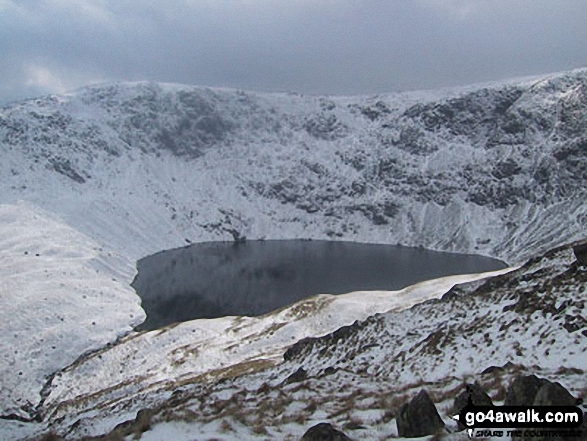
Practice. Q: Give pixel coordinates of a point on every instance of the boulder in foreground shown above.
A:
(419, 417)
(324, 432)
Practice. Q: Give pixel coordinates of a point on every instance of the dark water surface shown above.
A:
(216, 279)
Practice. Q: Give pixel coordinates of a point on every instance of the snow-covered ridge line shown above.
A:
(144, 167)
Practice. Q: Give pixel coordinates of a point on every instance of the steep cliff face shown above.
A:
(496, 169)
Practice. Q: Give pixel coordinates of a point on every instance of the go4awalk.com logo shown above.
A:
(528, 421)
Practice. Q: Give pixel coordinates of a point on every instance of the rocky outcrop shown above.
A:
(297, 376)
(473, 394)
(523, 390)
(324, 432)
(553, 394)
(419, 417)
(529, 390)
(580, 251)
(533, 391)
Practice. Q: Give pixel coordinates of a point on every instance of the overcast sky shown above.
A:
(308, 46)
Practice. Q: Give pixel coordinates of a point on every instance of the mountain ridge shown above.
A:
(370, 169)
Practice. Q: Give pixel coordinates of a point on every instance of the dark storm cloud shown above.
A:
(311, 46)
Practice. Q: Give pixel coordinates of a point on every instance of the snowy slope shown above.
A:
(114, 172)
(62, 294)
(530, 321)
(150, 365)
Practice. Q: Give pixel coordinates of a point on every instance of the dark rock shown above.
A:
(553, 394)
(492, 369)
(297, 376)
(419, 417)
(304, 346)
(330, 370)
(530, 390)
(141, 424)
(64, 166)
(574, 322)
(523, 390)
(581, 253)
(324, 432)
(236, 235)
(473, 394)
(143, 420)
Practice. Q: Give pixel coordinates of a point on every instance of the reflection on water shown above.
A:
(216, 279)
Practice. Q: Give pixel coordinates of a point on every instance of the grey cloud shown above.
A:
(328, 46)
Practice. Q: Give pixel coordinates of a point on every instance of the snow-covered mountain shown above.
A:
(95, 179)
(145, 166)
